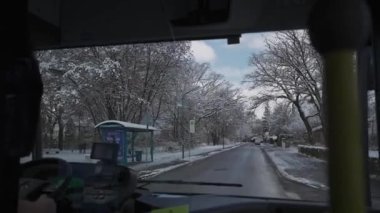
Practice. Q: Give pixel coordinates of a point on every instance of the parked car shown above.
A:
(51, 151)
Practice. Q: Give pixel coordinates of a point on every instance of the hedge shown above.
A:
(313, 151)
(374, 167)
(321, 153)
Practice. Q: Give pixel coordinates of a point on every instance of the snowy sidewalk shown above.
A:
(165, 161)
(67, 155)
(298, 167)
(310, 171)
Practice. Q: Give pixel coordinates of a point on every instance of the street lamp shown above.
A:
(180, 118)
(180, 133)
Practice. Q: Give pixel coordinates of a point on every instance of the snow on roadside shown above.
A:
(67, 155)
(198, 155)
(167, 157)
(283, 166)
(146, 174)
(159, 157)
(172, 159)
(373, 154)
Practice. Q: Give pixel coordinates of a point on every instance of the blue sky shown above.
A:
(230, 60)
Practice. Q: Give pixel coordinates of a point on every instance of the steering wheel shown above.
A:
(49, 176)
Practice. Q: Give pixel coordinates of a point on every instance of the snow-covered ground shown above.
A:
(311, 171)
(163, 161)
(301, 168)
(67, 155)
(165, 157)
(298, 167)
(373, 154)
(173, 160)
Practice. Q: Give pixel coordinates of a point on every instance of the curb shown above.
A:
(176, 166)
(286, 175)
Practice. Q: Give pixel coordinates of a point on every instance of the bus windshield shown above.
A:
(198, 111)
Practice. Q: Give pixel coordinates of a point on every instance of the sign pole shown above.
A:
(190, 143)
(192, 131)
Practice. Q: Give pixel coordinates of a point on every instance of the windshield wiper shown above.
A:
(189, 183)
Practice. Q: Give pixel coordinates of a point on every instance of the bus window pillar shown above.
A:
(338, 29)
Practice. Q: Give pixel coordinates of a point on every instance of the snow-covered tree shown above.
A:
(266, 120)
(159, 82)
(289, 70)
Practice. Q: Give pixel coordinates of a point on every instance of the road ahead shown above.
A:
(246, 165)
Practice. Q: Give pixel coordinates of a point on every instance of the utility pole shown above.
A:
(223, 135)
(181, 118)
(191, 131)
(178, 130)
(190, 143)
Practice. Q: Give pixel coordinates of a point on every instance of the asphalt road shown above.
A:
(245, 165)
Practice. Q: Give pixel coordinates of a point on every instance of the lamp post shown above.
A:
(180, 132)
(180, 118)
(148, 120)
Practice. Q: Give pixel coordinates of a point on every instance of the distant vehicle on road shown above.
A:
(256, 140)
(51, 151)
(247, 139)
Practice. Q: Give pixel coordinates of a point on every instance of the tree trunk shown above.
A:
(60, 129)
(305, 122)
(215, 138)
(110, 113)
(158, 110)
(51, 136)
(79, 132)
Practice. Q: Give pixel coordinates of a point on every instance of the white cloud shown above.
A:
(255, 41)
(202, 52)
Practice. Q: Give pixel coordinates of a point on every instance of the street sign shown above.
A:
(192, 126)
